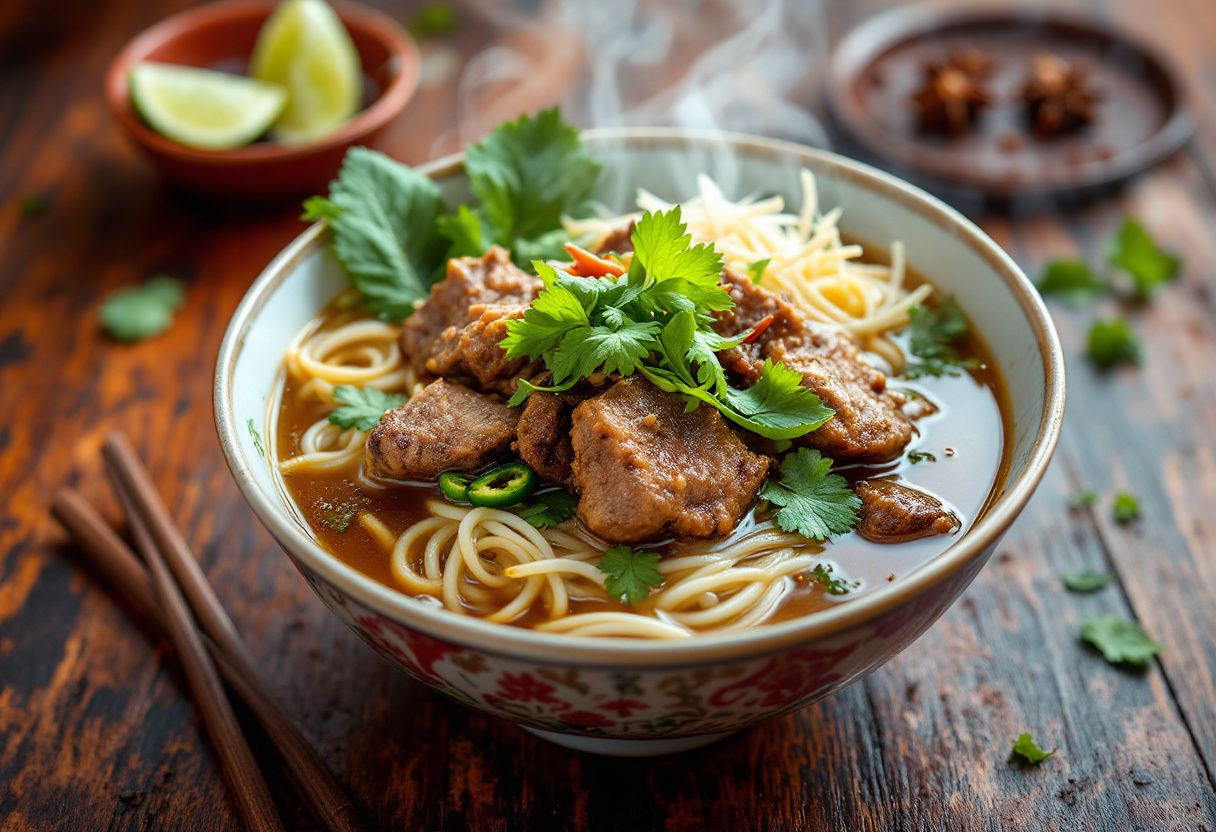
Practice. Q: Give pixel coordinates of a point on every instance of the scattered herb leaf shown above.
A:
(1071, 280)
(631, 574)
(1112, 342)
(921, 456)
(931, 334)
(812, 502)
(434, 20)
(1136, 252)
(1119, 640)
(549, 509)
(1087, 580)
(31, 205)
(1083, 499)
(830, 583)
(1026, 748)
(362, 407)
(1126, 508)
(257, 440)
(756, 270)
(133, 313)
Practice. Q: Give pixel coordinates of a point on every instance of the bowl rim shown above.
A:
(551, 648)
(388, 105)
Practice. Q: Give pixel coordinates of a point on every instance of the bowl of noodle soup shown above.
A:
(510, 618)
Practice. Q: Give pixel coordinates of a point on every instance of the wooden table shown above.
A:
(97, 732)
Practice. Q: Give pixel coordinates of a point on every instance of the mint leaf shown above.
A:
(383, 216)
(1119, 640)
(1024, 746)
(812, 502)
(1135, 252)
(527, 173)
(1072, 280)
(630, 574)
(133, 313)
(362, 407)
(1112, 342)
(1087, 580)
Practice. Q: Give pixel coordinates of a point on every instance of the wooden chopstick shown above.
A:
(240, 768)
(122, 569)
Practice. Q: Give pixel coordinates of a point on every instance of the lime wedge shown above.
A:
(305, 48)
(202, 108)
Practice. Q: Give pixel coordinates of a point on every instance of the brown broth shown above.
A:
(967, 436)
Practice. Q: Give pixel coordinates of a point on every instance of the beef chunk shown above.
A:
(894, 513)
(869, 425)
(473, 351)
(543, 436)
(460, 299)
(445, 427)
(646, 469)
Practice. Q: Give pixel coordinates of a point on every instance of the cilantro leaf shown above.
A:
(931, 333)
(1135, 252)
(663, 247)
(384, 215)
(630, 574)
(1087, 580)
(1026, 748)
(1112, 342)
(831, 584)
(556, 311)
(362, 407)
(778, 405)
(528, 173)
(133, 313)
(1126, 508)
(812, 502)
(921, 456)
(1072, 280)
(1083, 499)
(1119, 640)
(549, 509)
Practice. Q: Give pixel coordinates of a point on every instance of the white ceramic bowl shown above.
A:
(633, 697)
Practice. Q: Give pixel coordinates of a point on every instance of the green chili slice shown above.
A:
(455, 486)
(506, 485)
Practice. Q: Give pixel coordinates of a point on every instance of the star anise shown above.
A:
(1059, 98)
(953, 92)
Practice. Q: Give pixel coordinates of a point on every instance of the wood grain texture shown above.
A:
(97, 732)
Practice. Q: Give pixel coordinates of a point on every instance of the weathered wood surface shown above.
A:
(96, 730)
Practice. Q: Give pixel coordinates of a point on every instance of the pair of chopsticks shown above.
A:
(170, 588)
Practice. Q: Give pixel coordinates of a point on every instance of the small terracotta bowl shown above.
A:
(221, 36)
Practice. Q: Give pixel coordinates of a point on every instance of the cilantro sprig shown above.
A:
(1112, 342)
(134, 313)
(550, 509)
(811, 501)
(656, 320)
(362, 407)
(932, 333)
(1119, 640)
(630, 574)
(1134, 252)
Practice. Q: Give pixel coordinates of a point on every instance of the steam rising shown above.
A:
(748, 66)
